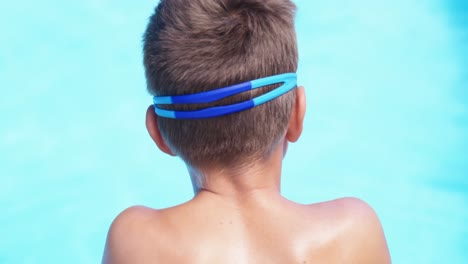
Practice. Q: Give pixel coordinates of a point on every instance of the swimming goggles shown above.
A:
(289, 81)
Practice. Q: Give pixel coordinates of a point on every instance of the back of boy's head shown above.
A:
(199, 45)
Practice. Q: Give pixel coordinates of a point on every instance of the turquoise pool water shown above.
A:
(387, 87)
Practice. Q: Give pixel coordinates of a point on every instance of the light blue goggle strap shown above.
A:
(289, 81)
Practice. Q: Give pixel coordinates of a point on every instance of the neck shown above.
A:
(262, 178)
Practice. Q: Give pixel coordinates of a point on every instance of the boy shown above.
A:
(233, 137)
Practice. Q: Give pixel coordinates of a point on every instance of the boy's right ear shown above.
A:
(297, 116)
(155, 133)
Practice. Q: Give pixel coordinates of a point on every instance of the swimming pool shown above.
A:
(387, 121)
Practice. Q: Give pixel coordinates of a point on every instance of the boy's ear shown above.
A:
(155, 133)
(297, 116)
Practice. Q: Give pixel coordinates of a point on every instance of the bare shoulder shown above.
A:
(128, 233)
(359, 235)
(363, 234)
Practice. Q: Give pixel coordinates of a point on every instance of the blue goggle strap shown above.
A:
(289, 81)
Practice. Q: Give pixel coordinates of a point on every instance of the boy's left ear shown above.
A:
(155, 133)
(297, 116)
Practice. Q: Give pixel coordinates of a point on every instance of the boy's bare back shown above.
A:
(266, 229)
